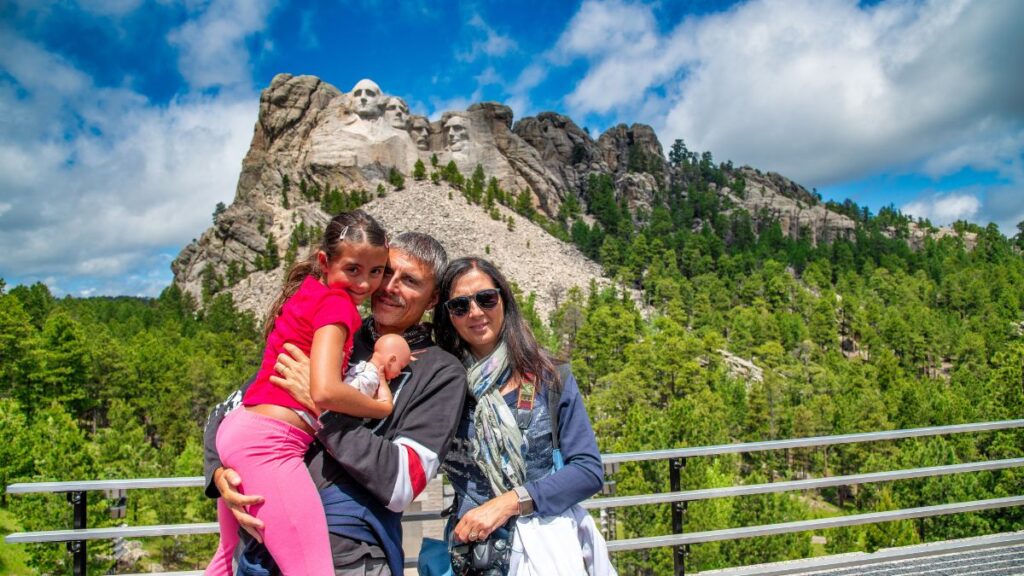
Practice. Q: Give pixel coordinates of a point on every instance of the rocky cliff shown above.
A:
(315, 148)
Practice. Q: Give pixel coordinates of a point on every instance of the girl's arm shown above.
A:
(325, 384)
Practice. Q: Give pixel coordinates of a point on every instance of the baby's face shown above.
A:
(392, 354)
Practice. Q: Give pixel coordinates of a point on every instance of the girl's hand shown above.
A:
(478, 523)
(292, 376)
(383, 394)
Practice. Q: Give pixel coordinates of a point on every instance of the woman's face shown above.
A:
(479, 329)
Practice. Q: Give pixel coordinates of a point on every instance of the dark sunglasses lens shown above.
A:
(458, 306)
(487, 299)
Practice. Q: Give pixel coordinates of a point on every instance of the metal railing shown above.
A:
(77, 537)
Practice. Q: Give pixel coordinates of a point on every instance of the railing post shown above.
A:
(675, 467)
(608, 514)
(77, 547)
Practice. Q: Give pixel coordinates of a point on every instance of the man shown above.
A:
(368, 474)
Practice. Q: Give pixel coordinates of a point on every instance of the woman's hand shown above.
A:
(227, 482)
(292, 376)
(478, 523)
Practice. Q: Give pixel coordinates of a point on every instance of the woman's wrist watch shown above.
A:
(525, 501)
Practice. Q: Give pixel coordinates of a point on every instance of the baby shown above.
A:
(390, 355)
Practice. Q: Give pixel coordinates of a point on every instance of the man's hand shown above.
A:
(292, 376)
(227, 481)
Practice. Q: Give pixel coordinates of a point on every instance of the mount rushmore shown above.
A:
(307, 131)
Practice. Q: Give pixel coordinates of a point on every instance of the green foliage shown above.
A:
(450, 174)
(524, 204)
(113, 388)
(270, 259)
(419, 171)
(218, 210)
(396, 179)
(336, 200)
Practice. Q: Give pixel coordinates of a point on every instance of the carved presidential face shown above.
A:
(456, 134)
(366, 99)
(419, 129)
(397, 113)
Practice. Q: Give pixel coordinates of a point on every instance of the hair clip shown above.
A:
(341, 236)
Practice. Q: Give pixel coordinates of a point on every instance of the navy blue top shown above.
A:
(552, 492)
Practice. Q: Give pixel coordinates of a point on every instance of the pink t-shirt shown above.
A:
(311, 307)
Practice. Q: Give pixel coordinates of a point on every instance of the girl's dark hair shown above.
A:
(525, 356)
(353, 227)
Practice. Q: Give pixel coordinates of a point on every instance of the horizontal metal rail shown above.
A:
(808, 484)
(810, 442)
(851, 559)
(85, 485)
(716, 450)
(807, 525)
(112, 532)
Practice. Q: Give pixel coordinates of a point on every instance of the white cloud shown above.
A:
(491, 43)
(945, 208)
(821, 91)
(100, 186)
(212, 46)
(607, 28)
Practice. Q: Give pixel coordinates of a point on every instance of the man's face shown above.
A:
(405, 294)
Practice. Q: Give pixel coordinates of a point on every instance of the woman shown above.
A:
(501, 463)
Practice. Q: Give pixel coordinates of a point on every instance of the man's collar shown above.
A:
(418, 335)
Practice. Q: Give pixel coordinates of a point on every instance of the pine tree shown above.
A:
(271, 258)
(218, 210)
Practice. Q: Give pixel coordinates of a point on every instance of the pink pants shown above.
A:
(268, 455)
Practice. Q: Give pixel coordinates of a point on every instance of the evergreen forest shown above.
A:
(856, 335)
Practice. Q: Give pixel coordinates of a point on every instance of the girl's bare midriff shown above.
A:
(283, 414)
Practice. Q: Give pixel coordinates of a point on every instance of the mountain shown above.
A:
(317, 150)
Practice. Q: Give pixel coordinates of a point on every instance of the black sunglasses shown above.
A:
(485, 299)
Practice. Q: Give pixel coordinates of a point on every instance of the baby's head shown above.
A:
(391, 353)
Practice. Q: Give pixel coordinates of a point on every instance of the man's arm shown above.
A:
(396, 469)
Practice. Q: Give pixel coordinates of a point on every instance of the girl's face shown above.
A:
(479, 328)
(357, 268)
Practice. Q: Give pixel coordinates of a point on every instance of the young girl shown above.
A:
(266, 440)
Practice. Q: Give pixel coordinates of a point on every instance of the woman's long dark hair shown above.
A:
(353, 227)
(525, 356)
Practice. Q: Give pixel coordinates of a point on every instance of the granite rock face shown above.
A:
(311, 134)
(565, 150)
(768, 196)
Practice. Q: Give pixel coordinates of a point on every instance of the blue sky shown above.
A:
(123, 122)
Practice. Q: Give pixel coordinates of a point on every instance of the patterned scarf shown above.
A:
(497, 446)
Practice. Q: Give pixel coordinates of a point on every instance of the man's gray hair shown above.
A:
(424, 248)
